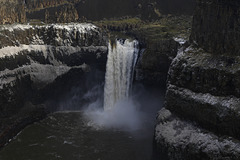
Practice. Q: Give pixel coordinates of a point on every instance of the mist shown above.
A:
(135, 113)
(125, 115)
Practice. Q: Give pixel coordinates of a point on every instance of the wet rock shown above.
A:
(161, 42)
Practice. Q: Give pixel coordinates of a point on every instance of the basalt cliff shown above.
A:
(200, 118)
(42, 66)
(64, 11)
(40, 62)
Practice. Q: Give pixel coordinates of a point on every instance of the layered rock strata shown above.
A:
(63, 11)
(200, 119)
(39, 63)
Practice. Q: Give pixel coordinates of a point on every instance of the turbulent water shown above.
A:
(122, 57)
(67, 136)
(125, 126)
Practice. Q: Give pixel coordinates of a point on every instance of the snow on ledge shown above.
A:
(172, 132)
(46, 50)
(15, 50)
(39, 73)
(81, 27)
(180, 40)
(228, 102)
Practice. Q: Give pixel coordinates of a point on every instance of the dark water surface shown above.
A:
(67, 136)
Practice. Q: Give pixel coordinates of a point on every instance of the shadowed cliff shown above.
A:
(62, 11)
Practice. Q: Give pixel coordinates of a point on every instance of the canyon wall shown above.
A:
(160, 46)
(64, 11)
(216, 26)
(42, 66)
(12, 11)
(200, 119)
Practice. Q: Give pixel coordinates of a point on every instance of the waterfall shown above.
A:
(122, 57)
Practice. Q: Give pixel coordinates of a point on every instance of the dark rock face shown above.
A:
(154, 62)
(64, 13)
(37, 4)
(43, 63)
(216, 26)
(97, 10)
(161, 42)
(11, 126)
(203, 89)
(61, 11)
(176, 7)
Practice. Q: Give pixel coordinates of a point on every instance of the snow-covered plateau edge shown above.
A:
(81, 27)
(45, 49)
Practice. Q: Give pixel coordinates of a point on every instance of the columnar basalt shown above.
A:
(216, 26)
(39, 63)
(201, 115)
(64, 11)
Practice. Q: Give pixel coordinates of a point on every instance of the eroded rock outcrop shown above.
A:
(201, 115)
(63, 11)
(161, 42)
(59, 13)
(12, 11)
(42, 63)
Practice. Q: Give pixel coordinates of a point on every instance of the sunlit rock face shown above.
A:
(63, 11)
(12, 11)
(203, 89)
(38, 63)
(48, 11)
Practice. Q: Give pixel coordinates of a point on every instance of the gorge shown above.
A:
(91, 89)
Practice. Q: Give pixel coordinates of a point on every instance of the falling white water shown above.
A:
(122, 57)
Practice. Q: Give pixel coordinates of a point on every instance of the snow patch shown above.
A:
(180, 134)
(81, 27)
(15, 50)
(39, 73)
(180, 40)
(47, 50)
(229, 102)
